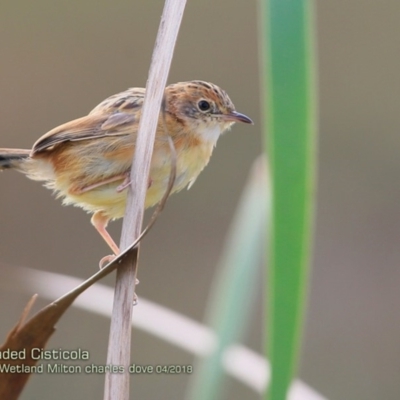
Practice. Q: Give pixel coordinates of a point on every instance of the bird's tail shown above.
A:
(12, 158)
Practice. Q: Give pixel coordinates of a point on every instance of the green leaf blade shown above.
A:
(289, 72)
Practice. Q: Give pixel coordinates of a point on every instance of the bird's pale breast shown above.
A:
(191, 159)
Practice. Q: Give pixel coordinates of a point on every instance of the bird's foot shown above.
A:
(106, 260)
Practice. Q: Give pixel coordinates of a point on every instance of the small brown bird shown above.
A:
(87, 161)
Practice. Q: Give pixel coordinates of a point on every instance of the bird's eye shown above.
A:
(204, 105)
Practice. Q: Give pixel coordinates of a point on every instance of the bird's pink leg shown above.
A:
(100, 221)
(101, 183)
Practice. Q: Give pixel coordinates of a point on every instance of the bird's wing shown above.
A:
(130, 100)
(116, 116)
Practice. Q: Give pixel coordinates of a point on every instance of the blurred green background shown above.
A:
(59, 59)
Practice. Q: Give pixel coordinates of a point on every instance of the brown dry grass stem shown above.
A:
(117, 385)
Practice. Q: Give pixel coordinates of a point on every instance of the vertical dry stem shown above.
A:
(117, 385)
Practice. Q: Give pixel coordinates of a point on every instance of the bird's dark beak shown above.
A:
(235, 116)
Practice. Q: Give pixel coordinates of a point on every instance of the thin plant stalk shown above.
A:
(117, 385)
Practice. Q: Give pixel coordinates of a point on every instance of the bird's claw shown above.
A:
(106, 260)
(127, 181)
